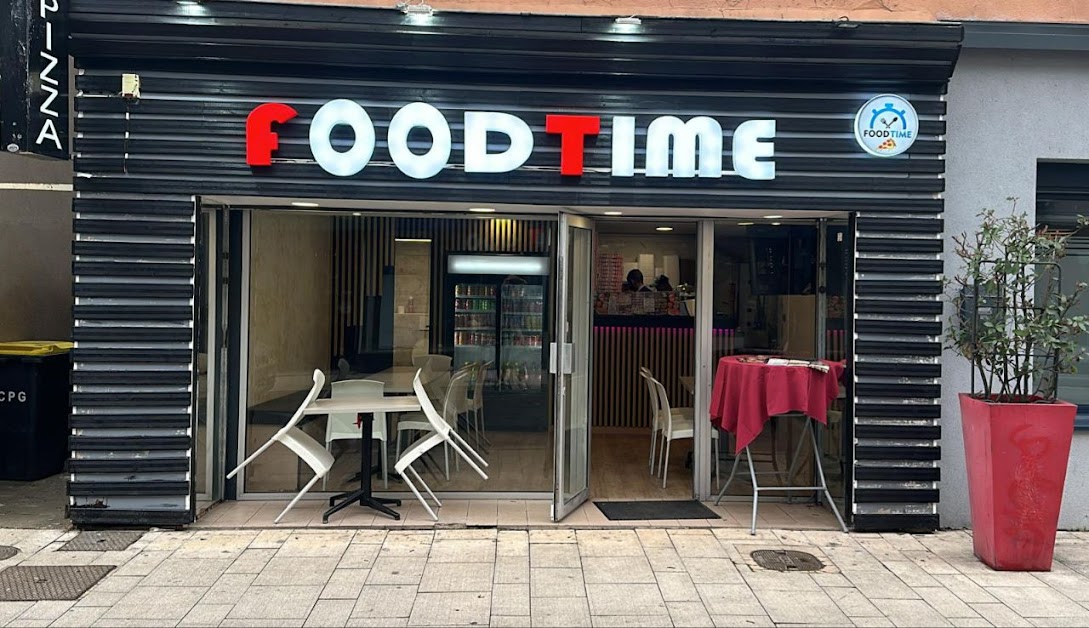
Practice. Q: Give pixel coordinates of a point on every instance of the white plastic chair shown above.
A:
(344, 426)
(675, 426)
(298, 441)
(441, 432)
(657, 421)
(452, 404)
(476, 403)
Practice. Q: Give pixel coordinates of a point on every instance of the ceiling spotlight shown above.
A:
(416, 10)
(772, 217)
(188, 3)
(482, 210)
(744, 224)
(776, 224)
(631, 20)
(614, 213)
(663, 228)
(357, 213)
(303, 204)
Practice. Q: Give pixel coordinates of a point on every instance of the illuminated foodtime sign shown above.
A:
(697, 143)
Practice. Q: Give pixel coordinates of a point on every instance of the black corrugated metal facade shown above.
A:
(203, 68)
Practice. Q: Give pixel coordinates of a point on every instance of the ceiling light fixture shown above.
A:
(631, 20)
(772, 217)
(188, 3)
(482, 210)
(416, 10)
(357, 213)
(663, 228)
(614, 213)
(304, 204)
(745, 224)
(427, 240)
(776, 224)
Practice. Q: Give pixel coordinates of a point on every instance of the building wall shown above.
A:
(1071, 11)
(290, 302)
(1005, 114)
(35, 251)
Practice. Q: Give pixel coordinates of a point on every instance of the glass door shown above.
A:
(570, 364)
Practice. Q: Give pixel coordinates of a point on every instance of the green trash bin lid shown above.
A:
(35, 347)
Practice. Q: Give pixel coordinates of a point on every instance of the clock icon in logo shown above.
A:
(886, 125)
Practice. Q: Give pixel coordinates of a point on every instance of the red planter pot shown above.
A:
(1017, 455)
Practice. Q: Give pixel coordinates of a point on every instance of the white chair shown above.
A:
(345, 426)
(657, 421)
(441, 432)
(676, 426)
(476, 403)
(298, 441)
(451, 406)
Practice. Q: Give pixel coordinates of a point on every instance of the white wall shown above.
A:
(1006, 112)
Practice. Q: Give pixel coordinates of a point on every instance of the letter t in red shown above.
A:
(260, 140)
(573, 131)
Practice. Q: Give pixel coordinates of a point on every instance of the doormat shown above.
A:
(648, 510)
(102, 541)
(30, 584)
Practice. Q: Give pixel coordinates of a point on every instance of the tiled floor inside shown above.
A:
(504, 513)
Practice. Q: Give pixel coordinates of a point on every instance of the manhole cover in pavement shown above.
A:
(787, 560)
(102, 541)
(30, 584)
(7, 551)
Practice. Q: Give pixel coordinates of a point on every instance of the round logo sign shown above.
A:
(886, 126)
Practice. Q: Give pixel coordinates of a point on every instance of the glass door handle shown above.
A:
(553, 352)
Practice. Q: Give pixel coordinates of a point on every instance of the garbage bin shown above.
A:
(34, 386)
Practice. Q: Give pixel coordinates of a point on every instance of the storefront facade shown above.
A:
(238, 102)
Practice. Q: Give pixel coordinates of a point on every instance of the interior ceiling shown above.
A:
(671, 213)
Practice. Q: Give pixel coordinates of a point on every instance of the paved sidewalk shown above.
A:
(555, 577)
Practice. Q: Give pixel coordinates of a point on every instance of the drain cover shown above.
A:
(102, 541)
(30, 584)
(787, 560)
(7, 551)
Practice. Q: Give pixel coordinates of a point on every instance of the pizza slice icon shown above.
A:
(888, 144)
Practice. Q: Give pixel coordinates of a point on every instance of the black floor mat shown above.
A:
(649, 509)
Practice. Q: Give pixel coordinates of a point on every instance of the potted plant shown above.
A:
(1014, 322)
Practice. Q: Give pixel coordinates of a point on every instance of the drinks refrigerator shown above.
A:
(497, 312)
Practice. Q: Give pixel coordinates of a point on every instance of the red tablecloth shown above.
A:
(746, 395)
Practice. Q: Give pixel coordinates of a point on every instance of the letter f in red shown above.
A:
(260, 139)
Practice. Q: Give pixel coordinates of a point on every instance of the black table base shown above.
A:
(363, 496)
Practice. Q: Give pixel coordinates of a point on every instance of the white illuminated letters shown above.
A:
(432, 162)
(331, 115)
(674, 147)
(747, 147)
(49, 84)
(477, 126)
(706, 130)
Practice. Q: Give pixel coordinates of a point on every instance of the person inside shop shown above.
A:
(634, 282)
(661, 284)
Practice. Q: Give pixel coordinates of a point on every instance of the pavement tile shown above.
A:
(378, 622)
(966, 589)
(467, 534)
(945, 602)
(910, 612)
(730, 599)
(796, 607)
(270, 539)
(664, 559)
(625, 599)
(276, 602)
(609, 543)
(134, 623)
(654, 537)
(1039, 602)
(739, 621)
(510, 600)
(624, 621)
(46, 610)
(697, 543)
(553, 555)
(359, 556)
(143, 563)
(987, 578)
(100, 598)
(930, 563)
(407, 543)
(451, 609)
(512, 543)
(369, 537)
(397, 570)
(911, 574)
(174, 572)
(261, 623)
(872, 621)
(54, 558)
(979, 622)
(155, 603)
(385, 601)
(463, 551)
(320, 545)
(251, 561)
(218, 544)
(687, 614)
(826, 580)
(556, 583)
(677, 587)
(560, 612)
(204, 614)
(296, 570)
(344, 584)
(612, 570)
(881, 584)
(712, 570)
(512, 570)
(228, 589)
(1000, 615)
(452, 577)
(330, 613)
(551, 536)
(117, 584)
(510, 621)
(779, 581)
(80, 616)
(1068, 582)
(852, 603)
(29, 623)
